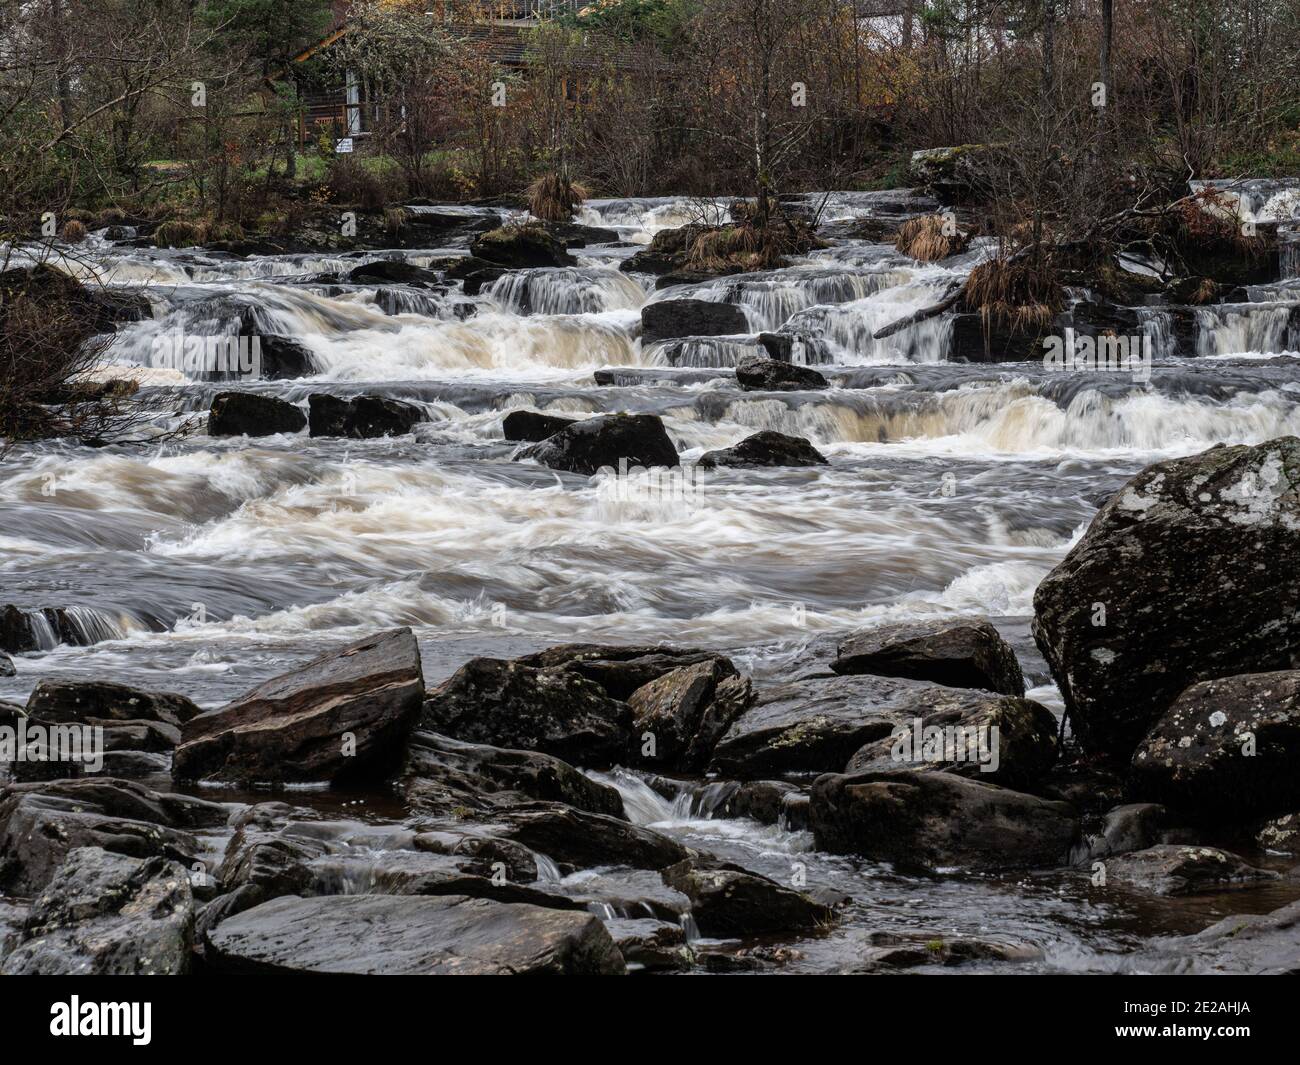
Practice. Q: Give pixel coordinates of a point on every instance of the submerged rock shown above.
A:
(668, 319)
(1258, 944)
(765, 448)
(1186, 574)
(344, 716)
(403, 935)
(958, 653)
(104, 914)
(577, 840)
(1172, 870)
(531, 427)
(1227, 749)
(361, 417)
(553, 711)
(603, 442)
(754, 373)
(442, 773)
(250, 414)
(936, 821)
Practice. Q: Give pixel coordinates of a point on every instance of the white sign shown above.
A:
(344, 146)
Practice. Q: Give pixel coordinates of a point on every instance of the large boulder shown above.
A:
(361, 417)
(442, 774)
(342, 717)
(105, 914)
(1187, 574)
(728, 901)
(554, 711)
(1168, 869)
(638, 440)
(932, 821)
(754, 373)
(667, 319)
(817, 725)
(392, 272)
(765, 448)
(531, 427)
(250, 414)
(1227, 749)
(687, 711)
(517, 247)
(410, 936)
(957, 652)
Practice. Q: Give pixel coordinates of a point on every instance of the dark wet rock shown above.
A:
(475, 274)
(933, 821)
(914, 950)
(1281, 834)
(41, 822)
(957, 736)
(283, 358)
(1227, 749)
(576, 840)
(361, 417)
(687, 711)
(668, 319)
(1132, 827)
(650, 945)
(638, 440)
(728, 901)
(1255, 944)
(103, 702)
(105, 914)
(1090, 787)
(137, 765)
(956, 652)
(1173, 870)
(765, 448)
(575, 235)
(342, 717)
(13, 916)
(391, 272)
(442, 773)
(769, 802)
(531, 427)
(517, 247)
(817, 724)
(6, 666)
(251, 414)
(667, 252)
(553, 711)
(954, 174)
(1190, 566)
(617, 668)
(410, 935)
(757, 374)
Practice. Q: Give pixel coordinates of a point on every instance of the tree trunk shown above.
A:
(1049, 46)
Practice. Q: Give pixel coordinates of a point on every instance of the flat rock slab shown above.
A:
(410, 936)
(957, 652)
(1248, 944)
(1167, 869)
(342, 717)
(939, 821)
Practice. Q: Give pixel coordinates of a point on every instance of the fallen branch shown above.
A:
(954, 293)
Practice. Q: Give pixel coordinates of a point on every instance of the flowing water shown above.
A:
(205, 565)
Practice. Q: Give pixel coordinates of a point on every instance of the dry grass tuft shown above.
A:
(554, 198)
(1020, 295)
(928, 238)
